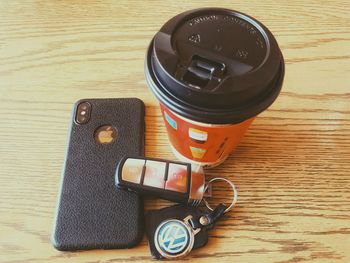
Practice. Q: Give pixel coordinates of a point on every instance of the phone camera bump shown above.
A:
(83, 113)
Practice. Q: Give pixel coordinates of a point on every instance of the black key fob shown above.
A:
(171, 227)
(175, 181)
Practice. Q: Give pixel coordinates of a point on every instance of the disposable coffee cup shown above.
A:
(213, 71)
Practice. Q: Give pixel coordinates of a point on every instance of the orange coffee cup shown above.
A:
(213, 71)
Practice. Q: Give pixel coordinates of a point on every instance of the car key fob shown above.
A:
(175, 181)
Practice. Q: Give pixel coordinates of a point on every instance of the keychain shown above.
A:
(174, 231)
(175, 181)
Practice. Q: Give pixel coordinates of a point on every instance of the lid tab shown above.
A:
(202, 73)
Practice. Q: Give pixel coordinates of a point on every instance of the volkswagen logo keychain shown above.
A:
(175, 238)
(173, 231)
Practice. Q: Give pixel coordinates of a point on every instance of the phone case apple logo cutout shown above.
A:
(105, 134)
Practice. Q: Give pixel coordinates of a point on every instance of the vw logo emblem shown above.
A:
(173, 238)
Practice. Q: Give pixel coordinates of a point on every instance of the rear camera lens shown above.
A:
(83, 113)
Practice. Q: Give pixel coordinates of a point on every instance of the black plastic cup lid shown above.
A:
(215, 66)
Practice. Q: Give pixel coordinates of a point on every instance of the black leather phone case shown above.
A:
(92, 212)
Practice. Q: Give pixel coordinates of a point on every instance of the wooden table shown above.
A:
(292, 168)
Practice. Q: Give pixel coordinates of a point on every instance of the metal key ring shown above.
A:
(235, 196)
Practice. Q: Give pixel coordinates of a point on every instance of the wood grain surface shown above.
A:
(292, 169)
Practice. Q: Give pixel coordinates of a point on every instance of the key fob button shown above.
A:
(177, 178)
(132, 170)
(154, 174)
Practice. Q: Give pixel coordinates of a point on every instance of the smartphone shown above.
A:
(91, 212)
